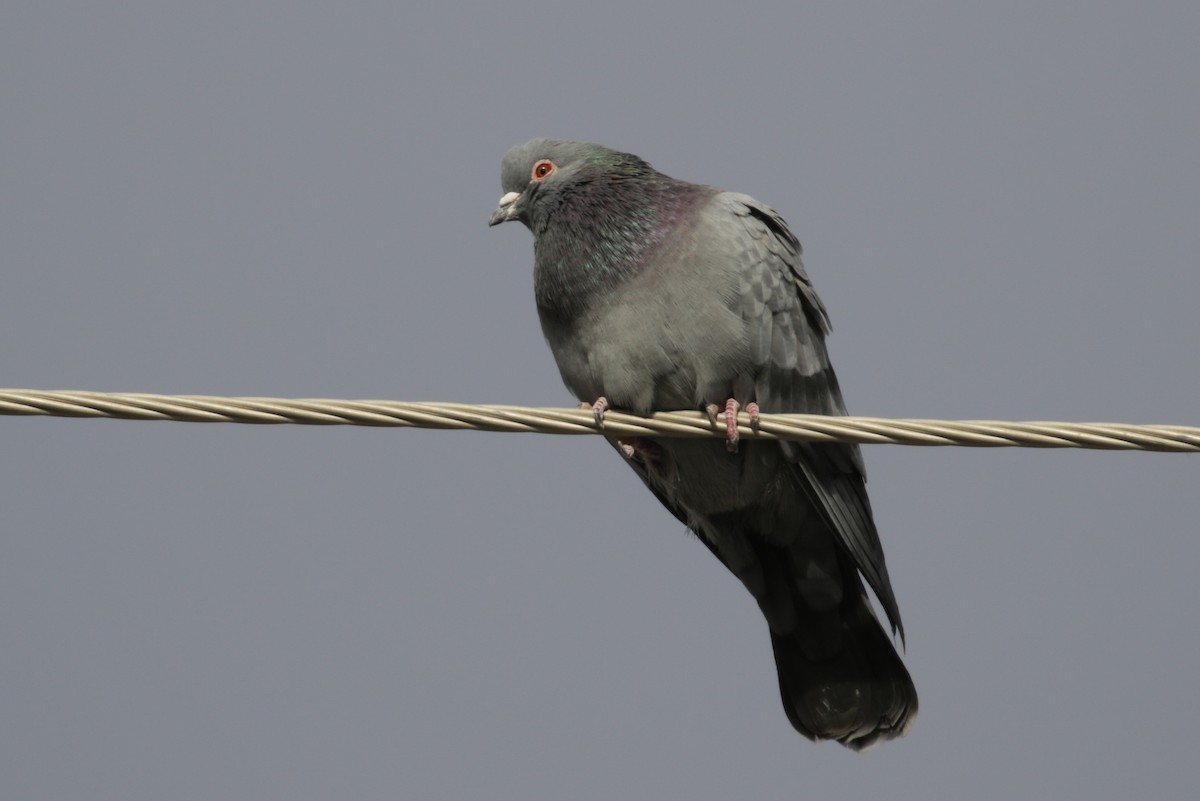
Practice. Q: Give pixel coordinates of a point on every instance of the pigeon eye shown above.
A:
(543, 169)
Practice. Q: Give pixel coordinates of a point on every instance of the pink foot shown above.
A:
(731, 432)
(598, 409)
(635, 446)
(730, 419)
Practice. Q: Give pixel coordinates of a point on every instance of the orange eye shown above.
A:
(543, 169)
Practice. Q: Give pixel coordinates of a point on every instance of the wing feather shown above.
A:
(794, 375)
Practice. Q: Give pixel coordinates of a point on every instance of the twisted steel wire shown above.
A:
(816, 428)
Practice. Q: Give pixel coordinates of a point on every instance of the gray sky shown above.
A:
(1000, 206)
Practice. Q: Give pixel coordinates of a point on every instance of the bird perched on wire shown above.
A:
(656, 294)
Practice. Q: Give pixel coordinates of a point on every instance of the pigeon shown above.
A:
(656, 294)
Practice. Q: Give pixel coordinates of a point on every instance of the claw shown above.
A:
(729, 417)
(598, 409)
(712, 410)
(752, 410)
(630, 447)
(639, 446)
(731, 431)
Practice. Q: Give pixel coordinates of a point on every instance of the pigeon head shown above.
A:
(597, 216)
(542, 174)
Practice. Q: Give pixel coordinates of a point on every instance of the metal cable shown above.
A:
(816, 428)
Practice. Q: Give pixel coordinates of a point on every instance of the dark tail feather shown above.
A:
(859, 694)
(840, 677)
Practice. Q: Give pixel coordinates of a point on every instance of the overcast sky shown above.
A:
(999, 203)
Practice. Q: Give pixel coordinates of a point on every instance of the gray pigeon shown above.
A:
(656, 294)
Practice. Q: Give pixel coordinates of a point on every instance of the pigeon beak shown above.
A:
(507, 210)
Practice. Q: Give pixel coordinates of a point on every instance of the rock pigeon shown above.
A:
(656, 294)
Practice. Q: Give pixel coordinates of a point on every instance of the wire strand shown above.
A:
(524, 419)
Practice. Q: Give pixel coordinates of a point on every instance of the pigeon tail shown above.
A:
(860, 695)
